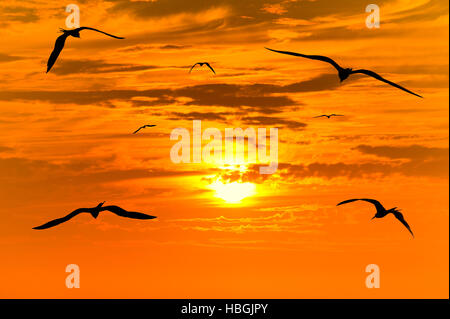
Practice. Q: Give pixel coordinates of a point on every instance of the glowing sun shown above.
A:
(233, 192)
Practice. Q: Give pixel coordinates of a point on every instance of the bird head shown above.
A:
(76, 34)
(344, 74)
(96, 211)
(95, 214)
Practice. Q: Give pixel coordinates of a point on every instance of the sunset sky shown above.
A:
(223, 229)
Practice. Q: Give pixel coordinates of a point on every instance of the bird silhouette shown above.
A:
(95, 211)
(61, 41)
(344, 73)
(329, 116)
(381, 211)
(142, 127)
(202, 64)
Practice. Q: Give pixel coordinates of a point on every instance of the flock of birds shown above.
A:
(343, 74)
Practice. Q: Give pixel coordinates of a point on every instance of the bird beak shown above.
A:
(373, 217)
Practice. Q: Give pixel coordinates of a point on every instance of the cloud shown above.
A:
(257, 10)
(412, 152)
(419, 161)
(144, 47)
(257, 96)
(4, 149)
(9, 58)
(80, 171)
(191, 116)
(18, 14)
(173, 47)
(30, 179)
(435, 168)
(66, 67)
(273, 121)
(282, 221)
(421, 12)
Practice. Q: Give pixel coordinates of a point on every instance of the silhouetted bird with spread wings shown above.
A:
(381, 211)
(344, 73)
(95, 211)
(61, 41)
(325, 115)
(202, 64)
(142, 127)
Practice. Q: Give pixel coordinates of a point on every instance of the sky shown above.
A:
(223, 229)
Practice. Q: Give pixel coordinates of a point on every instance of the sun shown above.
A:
(234, 192)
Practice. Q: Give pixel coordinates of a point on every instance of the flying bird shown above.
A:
(344, 73)
(202, 64)
(329, 116)
(142, 127)
(95, 211)
(61, 41)
(381, 211)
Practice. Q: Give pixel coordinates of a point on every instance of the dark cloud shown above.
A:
(247, 17)
(247, 8)
(173, 47)
(260, 97)
(9, 58)
(4, 149)
(163, 100)
(422, 162)
(17, 14)
(273, 121)
(30, 179)
(247, 120)
(412, 152)
(254, 12)
(358, 170)
(433, 168)
(356, 137)
(191, 116)
(65, 67)
(142, 47)
(80, 171)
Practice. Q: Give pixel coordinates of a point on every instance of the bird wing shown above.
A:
(138, 130)
(92, 29)
(316, 117)
(58, 221)
(337, 115)
(193, 67)
(124, 213)
(373, 201)
(380, 78)
(312, 57)
(59, 46)
(400, 217)
(209, 66)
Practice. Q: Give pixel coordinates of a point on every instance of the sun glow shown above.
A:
(233, 193)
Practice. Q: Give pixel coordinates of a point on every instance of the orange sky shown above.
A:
(67, 142)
